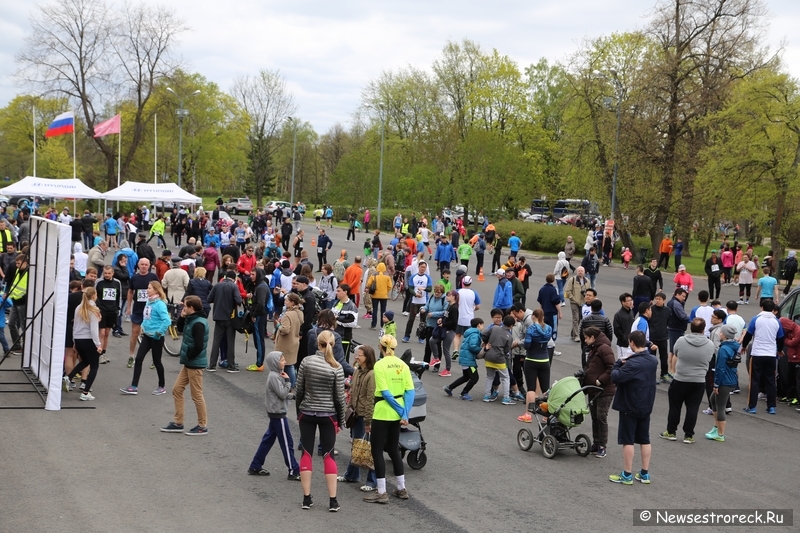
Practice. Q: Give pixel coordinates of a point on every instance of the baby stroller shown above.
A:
(563, 407)
(411, 441)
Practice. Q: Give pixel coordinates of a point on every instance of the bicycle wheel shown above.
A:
(395, 292)
(173, 341)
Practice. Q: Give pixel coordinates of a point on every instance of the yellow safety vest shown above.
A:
(5, 239)
(19, 288)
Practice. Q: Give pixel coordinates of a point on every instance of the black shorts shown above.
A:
(633, 430)
(108, 319)
(317, 218)
(460, 330)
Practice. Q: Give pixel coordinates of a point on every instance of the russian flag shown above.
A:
(63, 124)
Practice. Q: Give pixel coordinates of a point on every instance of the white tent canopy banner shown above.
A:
(50, 188)
(133, 191)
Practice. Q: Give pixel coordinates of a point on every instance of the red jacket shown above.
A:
(246, 264)
(791, 341)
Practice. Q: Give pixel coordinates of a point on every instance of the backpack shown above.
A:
(319, 301)
(338, 270)
(564, 273)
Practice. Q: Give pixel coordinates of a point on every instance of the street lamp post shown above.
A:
(620, 92)
(294, 156)
(380, 169)
(182, 113)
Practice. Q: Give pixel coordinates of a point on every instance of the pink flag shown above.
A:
(108, 127)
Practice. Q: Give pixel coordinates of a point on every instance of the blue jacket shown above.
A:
(325, 243)
(436, 308)
(156, 318)
(470, 347)
(724, 375)
(537, 334)
(548, 298)
(503, 297)
(444, 253)
(211, 238)
(635, 378)
(514, 243)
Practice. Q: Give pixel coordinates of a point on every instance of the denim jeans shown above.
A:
(560, 282)
(353, 472)
(592, 277)
(259, 327)
(289, 369)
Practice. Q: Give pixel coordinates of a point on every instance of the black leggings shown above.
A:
(537, 371)
(147, 344)
(468, 376)
(308, 430)
(745, 287)
(713, 287)
(385, 437)
(87, 351)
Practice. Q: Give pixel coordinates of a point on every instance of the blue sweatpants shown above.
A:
(278, 430)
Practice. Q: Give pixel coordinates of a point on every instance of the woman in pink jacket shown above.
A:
(683, 279)
(727, 264)
(211, 260)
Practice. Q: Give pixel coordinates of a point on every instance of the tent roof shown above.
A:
(52, 188)
(151, 192)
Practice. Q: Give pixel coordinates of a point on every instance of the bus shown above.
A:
(566, 206)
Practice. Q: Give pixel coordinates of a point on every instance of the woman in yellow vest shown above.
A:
(394, 396)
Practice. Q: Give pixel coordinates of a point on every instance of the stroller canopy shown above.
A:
(559, 392)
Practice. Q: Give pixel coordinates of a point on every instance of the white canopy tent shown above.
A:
(51, 188)
(132, 191)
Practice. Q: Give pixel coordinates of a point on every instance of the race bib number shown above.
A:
(685, 287)
(110, 294)
(141, 295)
(147, 313)
(319, 249)
(714, 268)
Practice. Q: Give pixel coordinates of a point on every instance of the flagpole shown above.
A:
(155, 149)
(119, 152)
(74, 161)
(34, 138)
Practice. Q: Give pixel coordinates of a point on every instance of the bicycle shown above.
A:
(399, 285)
(172, 339)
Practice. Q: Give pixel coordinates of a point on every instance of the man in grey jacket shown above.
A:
(693, 353)
(226, 299)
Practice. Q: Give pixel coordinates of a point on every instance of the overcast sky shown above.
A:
(328, 51)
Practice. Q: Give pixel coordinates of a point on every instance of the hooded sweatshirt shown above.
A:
(503, 295)
(470, 347)
(561, 264)
(694, 352)
(277, 387)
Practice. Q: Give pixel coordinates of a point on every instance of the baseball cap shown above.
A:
(302, 279)
(682, 267)
(467, 280)
(500, 272)
(713, 251)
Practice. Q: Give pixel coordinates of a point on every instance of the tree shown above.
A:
(98, 59)
(267, 105)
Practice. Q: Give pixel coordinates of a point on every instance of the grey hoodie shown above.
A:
(694, 352)
(277, 387)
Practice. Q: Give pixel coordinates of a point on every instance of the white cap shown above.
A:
(500, 272)
(466, 280)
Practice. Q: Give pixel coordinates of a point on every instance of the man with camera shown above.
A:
(575, 292)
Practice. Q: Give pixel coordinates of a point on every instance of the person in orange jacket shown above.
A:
(665, 249)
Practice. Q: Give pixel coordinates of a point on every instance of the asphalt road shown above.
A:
(111, 469)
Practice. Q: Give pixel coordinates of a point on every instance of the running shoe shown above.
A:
(197, 430)
(729, 410)
(172, 427)
(719, 438)
(255, 368)
(668, 436)
(601, 452)
(307, 503)
(377, 497)
(406, 339)
(785, 399)
(129, 390)
(455, 355)
(258, 471)
(421, 341)
(445, 374)
(367, 316)
(104, 359)
(644, 478)
(434, 362)
(762, 396)
(770, 410)
(65, 385)
(367, 488)
(508, 401)
(794, 401)
(405, 313)
(527, 418)
(468, 398)
(752, 410)
(293, 477)
(447, 390)
(333, 506)
(86, 397)
(713, 433)
(518, 396)
(233, 369)
(400, 493)
(159, 391)
(688, 440)
(495, 394)
(211, 369)
(708, 411)
(130, 362)
(621, 478)
(488, 398)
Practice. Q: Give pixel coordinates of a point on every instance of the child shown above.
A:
(446, 280)
(367, 248)
(498, 344)
(389, 327)
(467, 358)
(277, 405)
(626, 256)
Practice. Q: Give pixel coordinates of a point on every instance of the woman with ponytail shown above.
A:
(320, 404)
(394, 396)
(86, 334)
(154, 326)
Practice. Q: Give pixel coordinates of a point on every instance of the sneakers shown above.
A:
(454, 356)
(667, 436)
(333, 506)
(708, 411)
(666, 378)
(406, 339)
(770, 410)
(737, 390)
(495, 394)
(172, 427)
(421, 341)
(377, 497)
(762, 396)
(368, 488)
(728, 410)
(293, 477)
(211, 369)
(518, 396)
(65, 385)
(117, 334)
(405, 313)
(642, 478)
(255, 368)
(752, 411)
(688, 440)
(104, 359)
(86, 397)
(601, 452)
(785, 399)
(445, 374)
(719, 438)
(508, 401)
(713, 433)
(621, 478)
(130, 390)
(367, 316)
(159, 391)
(307, 503)
(740, 302)
(447, 390)
(130, 362)
(434, 362)
(527, 418)
(488, 398)
(468, 398)
(400, 493)
(197, 430)
(233, 369)
(258, 471)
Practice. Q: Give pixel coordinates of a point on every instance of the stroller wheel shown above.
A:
(525, 439)
(583, 445)
(549, 446)
(417, 459)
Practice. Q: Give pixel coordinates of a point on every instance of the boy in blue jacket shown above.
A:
(467, 358)
(277, 406)
(635, 378)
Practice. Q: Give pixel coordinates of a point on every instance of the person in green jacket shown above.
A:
(159, 226)
(194, 360)
(464, 252)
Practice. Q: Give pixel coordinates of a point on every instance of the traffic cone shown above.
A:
(313, 242)
(480, 275)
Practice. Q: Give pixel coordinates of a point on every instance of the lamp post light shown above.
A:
(181, 113)
(294, 156)
(619, 93)
(380, 168)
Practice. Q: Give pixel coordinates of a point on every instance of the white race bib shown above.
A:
(141, 295)
(319, 249)
(714, 268)
(147, 312)
(110, 294)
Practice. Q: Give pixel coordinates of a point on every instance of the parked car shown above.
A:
(272, 205)
(238, 205)
(4, 201)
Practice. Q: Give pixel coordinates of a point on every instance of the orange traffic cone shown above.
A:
(313, 242)
(480, 275)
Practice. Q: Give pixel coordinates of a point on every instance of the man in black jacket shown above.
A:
(258, 312)
(597, 320)
(286, 233)
(232, 250)
(676, 325)
(226, 299)
(623, 321)
(656, 280)
(659, 319)
(300, 286)
(642, 288)
(144, 250)
(88, 222)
